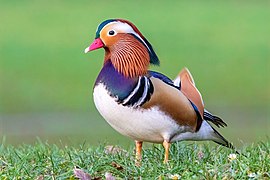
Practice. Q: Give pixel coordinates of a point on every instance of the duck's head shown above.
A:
(125, 47)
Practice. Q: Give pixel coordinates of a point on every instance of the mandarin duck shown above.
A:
(145, 105)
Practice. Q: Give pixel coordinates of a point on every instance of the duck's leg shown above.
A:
(166, 146)
(138, 152)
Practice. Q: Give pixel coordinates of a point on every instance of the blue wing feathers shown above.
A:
(162, 77)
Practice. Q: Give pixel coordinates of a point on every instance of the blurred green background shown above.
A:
(47, 81)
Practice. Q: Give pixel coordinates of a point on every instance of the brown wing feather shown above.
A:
(172, 102)
(190, 91)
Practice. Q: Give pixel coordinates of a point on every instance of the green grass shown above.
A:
(190, 161)
(46, 85)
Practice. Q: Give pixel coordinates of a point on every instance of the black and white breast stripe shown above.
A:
(140, 94)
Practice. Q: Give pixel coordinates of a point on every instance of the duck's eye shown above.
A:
(111, 33)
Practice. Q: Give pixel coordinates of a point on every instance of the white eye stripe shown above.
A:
(126, 28)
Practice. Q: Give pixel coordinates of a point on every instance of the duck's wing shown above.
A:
(169, 99)
(213, 119)
(186, 84)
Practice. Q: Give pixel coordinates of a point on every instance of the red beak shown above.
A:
(95, 45)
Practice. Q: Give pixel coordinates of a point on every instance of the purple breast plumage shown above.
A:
(126, 91)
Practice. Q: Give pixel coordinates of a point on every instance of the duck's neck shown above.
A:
(129, 57)
(116, 83)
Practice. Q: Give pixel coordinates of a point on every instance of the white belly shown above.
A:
(139, 124)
